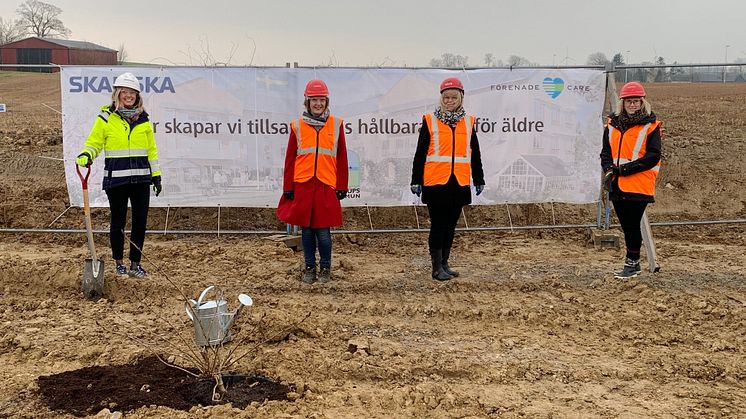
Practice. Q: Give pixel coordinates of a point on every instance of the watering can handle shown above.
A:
(188, 308)
(204, 294)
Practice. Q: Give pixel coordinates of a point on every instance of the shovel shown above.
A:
(93, 272)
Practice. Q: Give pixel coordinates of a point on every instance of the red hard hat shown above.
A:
(451, 83)
(316, 88)
(632, 89)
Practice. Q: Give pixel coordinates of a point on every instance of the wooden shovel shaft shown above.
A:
(89, 231)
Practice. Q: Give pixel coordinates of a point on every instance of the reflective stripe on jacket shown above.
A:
(447, 154)
(131, 155)
(317, 150)
(629, 146)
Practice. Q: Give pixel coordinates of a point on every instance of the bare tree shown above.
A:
(41, 19)
(121, 54)
(10, 31)
(597, 58)
(661, 74)
(449, 60)
(518, 61)
(491, 61)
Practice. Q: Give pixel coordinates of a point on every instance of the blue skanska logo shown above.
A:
(97, 84)
(553, 86)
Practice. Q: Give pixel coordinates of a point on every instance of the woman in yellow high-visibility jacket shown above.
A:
(123, 133)
(446, 159)
(631, 159)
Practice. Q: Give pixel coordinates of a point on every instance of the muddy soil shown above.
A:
(149, 381)
(535, 326)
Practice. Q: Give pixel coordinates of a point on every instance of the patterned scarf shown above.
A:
(626, 120)
(130, 115)
(316, 121)
(449, 118)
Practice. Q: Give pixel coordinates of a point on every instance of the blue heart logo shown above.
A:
(553, 86)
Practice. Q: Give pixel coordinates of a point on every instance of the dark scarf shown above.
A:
(625, 120)
(450, 118)
(316, 121)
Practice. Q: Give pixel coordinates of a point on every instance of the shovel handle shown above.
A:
(84, 180)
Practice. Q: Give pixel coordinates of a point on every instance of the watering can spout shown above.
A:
(244, 300)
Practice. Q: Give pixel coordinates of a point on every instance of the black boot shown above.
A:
(438, 272)
(630, 270)
(325, 275)
(449, 271)
(309, 274)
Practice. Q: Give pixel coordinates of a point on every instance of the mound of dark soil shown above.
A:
(88, 390)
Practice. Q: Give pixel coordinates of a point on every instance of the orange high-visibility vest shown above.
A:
(447, 154)
(317, 150)
(629, 147)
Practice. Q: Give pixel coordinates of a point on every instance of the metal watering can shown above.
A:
(211, 318)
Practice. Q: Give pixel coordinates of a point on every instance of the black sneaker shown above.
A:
(138, 272)
(309, 275)
(121, 270)
(631, 269)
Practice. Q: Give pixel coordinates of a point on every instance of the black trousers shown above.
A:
(443, 220)
(139, 195)
(630, 214)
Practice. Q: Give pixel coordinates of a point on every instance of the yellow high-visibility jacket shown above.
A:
(131, 155)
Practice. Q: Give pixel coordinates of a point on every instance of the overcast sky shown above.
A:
(407, 32)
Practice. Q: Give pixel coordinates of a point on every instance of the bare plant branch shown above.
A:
(253, 50)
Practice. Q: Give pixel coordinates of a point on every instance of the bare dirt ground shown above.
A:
(536, 326)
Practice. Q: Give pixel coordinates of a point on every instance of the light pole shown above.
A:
(725, 68)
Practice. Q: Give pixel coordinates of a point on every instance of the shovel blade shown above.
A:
(93, 284)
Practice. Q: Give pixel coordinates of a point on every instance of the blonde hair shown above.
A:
(117, 103)
(646, 107)
(460, 99)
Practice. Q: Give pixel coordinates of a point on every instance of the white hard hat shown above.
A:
(127, 80)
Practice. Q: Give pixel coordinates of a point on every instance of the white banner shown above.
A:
(222, 132)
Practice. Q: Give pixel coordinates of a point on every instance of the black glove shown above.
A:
(479, 189)
(416, 189)
(289, 195)
(616, 170)
(341, 195)
(157, 188)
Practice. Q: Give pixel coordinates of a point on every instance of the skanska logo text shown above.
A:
(96, 84)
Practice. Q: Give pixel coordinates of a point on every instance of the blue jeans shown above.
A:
(321, 238)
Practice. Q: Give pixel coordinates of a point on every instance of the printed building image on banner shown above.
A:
(222, 133)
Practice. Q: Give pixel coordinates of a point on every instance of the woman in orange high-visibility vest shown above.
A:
(315, 179)
(446, 159)
(631, 159)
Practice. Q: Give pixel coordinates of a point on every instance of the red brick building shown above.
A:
(36, 50)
